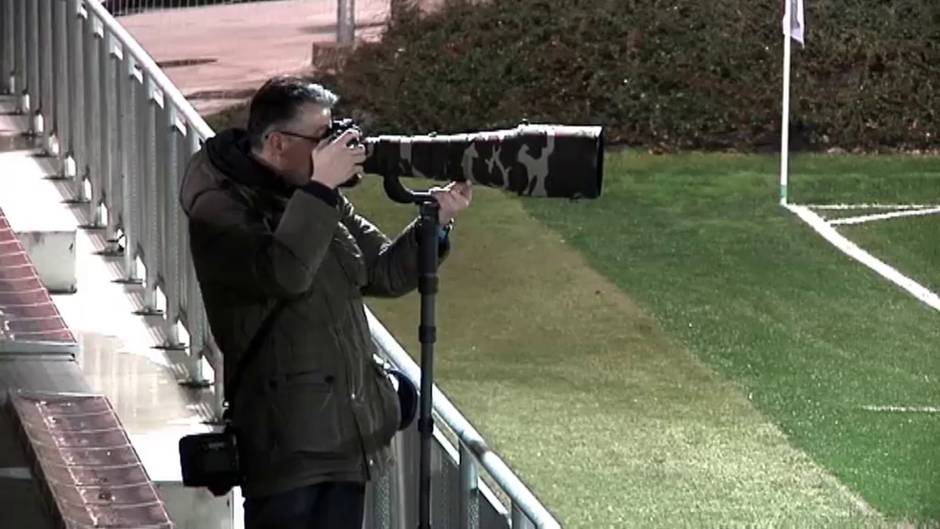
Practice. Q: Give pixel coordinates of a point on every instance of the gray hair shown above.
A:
(278, 102)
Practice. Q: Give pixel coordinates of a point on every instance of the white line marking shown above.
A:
(852, 250)
(884, 216)
(870, 206)
(903, 409)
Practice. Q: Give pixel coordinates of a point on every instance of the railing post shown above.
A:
(404, 478)
(149, 198)
(175, 152)
(185, 309)
(32, 67)
(46, 73)
(131, 92)
(118, 197)
(193, 310)
(20, 78)
(165, 207)
(380, 505)
(61, 95)
(218, 374)
(110, 151)
(92, 169)
(9, 44)
(78, 156)
(104, 102)
(133, 228)
(469, 489)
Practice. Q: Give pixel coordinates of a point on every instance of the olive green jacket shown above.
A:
(313, 405)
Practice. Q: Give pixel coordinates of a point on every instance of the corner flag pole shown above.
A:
(785, 129)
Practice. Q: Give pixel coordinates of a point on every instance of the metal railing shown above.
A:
(345, 11)
(124, 134)
(130, 7)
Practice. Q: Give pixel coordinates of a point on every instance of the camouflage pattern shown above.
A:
(531, 160)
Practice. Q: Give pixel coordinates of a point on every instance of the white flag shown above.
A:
(797, 22)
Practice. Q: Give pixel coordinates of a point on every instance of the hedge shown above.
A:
(672, 75)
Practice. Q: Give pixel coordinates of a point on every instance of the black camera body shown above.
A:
(339, 126)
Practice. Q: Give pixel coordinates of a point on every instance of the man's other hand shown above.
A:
(452, 198)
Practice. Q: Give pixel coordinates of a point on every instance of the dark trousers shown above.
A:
(323, 506)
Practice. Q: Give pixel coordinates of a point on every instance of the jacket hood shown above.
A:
(226, 159)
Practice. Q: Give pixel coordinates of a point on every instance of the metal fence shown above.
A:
(345, 10)
(123, 134)
(348, 12)
(129, 7)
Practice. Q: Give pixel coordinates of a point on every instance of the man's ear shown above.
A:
(275, 141)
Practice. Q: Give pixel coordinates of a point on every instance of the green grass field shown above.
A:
(911, 245)
(865, 179)
(684, 352)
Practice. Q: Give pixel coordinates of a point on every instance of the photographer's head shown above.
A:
(288, 116)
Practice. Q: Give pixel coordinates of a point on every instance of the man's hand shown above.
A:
(336, 161)
(453, 198)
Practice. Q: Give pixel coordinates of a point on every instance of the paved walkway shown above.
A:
(218, 55)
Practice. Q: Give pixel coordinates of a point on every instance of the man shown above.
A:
(314, 413)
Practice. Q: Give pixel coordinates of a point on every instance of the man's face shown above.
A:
(291, 144)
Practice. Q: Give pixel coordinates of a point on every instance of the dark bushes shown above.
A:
(679, 74)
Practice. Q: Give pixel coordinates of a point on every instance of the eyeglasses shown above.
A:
(314, 139)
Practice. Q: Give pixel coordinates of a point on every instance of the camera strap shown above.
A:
(250, 352)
